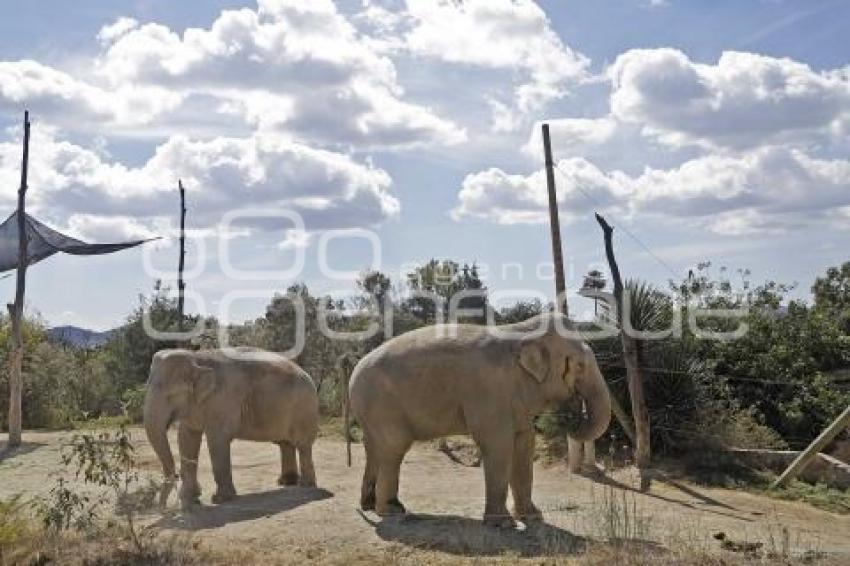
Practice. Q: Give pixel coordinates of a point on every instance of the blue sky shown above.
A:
(709, 130)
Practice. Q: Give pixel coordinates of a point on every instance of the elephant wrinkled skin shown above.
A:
(238, 393)
(488, 382)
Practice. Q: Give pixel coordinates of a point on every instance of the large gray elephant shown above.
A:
(488, 382)
(237, 393)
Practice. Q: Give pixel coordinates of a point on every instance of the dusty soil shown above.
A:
(446, 501)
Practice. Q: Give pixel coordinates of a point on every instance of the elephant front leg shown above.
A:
(220, 456)
(288, 465)
(189, 444)
(522, 477)
(496, 454)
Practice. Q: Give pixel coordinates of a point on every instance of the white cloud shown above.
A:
(116, 29)
(73, 187)
(514, 36)
(291, 66)
(518, 199)
(108, 228)
(50, 92)
(767, 190)
(742, 101)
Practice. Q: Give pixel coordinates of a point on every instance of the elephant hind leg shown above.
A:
(370, 478)
(305, 462)
(386, 490)
(288, 464)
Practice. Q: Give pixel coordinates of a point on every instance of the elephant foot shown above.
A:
(190, 505)
(289, 478)
(367, 501)
(499, 520)
(223, 495)
(307, 481)
(528, 513)
(390, 508)
(190, 490)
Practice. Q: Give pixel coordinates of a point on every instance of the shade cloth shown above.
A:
(43, 242)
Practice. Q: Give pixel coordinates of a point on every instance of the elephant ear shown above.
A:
(205, 381)
(534, 359)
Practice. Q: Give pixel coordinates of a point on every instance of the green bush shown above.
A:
(133, 403)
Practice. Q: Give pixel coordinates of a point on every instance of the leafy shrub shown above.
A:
(133, 403)
(102, 460)
(14, 527)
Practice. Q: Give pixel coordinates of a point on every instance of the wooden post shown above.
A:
(181, 285)
(345, 365)
(555, 226)
(574, 448)
(630, 356)
(806, 456)
(16, 310)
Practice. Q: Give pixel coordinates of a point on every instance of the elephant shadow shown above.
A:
(244, 508)
(463, 536)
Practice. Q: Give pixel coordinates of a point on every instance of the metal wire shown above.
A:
(628, 232)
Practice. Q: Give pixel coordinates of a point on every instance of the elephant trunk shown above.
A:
(591, 387)
(157, 418)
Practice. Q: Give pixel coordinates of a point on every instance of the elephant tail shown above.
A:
(345, 366)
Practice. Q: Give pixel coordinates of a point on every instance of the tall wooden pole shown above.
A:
(577, 452)
(630, 356)
(16, 310)
(181, 285)
(555, 226)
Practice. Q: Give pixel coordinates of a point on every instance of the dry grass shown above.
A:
(588, 522)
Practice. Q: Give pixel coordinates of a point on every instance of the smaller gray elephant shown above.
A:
(235, 393)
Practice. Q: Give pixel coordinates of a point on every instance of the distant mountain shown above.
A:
(79, 337)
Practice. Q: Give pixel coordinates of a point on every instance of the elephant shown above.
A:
(485, 381)
(234, 393)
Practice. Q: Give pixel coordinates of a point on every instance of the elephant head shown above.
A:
(565, 368)
(177, 387)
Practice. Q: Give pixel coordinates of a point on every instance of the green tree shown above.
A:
(443, 279)
(519, 311)
(832, 294)
(128, 355)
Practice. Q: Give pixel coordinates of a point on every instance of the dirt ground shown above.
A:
(446, 501)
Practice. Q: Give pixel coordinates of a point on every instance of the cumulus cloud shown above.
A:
(767, 190)
(51, 92)
(509, 35)
(116, 29)
(506, 198)
(742, 101)
(298, 67)
(76, 188)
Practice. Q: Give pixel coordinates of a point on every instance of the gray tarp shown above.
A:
(43, 242)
